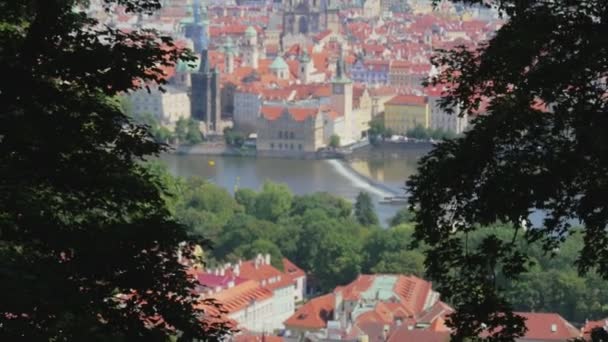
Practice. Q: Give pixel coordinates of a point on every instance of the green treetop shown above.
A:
(364, 210)
(542, 146)
(88, 248)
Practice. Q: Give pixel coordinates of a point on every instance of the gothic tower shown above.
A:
(197, 31)
(205, 99)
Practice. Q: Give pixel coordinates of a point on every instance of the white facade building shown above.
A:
(449, 123)
(167, 107)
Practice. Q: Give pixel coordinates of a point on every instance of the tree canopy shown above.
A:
(88, 246)
(364, 210)
(540, 147)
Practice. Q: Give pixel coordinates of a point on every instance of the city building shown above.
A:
(304, 17)
(166, 106)
(405, 112)
(370, 71)
(440, 119)
(292, 131)
(370, 306)
(255, 294)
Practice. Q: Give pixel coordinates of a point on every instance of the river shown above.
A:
(386, 167)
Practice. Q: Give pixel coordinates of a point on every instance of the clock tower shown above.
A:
(342, 99)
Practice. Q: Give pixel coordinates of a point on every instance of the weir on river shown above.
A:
(380, 173)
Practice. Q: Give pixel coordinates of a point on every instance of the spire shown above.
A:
(341, 69)
(196, 11)
(200, 34)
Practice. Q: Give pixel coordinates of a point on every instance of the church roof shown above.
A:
(278, 64)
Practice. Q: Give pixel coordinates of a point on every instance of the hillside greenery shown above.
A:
(333, 242)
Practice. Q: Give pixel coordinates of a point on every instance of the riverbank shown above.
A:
(217, 148)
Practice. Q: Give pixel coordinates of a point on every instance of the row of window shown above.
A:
(285, 146)
(286, 135)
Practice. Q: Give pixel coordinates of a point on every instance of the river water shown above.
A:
(379, 171)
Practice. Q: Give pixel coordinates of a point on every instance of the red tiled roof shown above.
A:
(298, 114)
(403, 334)
(291, 269)
(240, 296)
(258, 271)
(258, 338)
(540, 327)
(353, 290)
(212, 280)
(438, 325)
(412, 100)
(590, 325)
(438, 310)
(413, 292)
(319, 36)
(314, 314)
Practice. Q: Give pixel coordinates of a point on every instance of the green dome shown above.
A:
(250, 32)
(278, 64)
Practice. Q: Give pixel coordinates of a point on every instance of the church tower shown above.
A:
(342, 98)
(306, 66)
(251, 47)
(198, 31)
(332, 17)
(205, 98)
(228, 56)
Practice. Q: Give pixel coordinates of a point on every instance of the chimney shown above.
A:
(236, 270)
(222, 271)
(267, 259)
(554, 327)
(217, 271)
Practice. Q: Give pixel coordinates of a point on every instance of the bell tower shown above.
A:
(342, 97)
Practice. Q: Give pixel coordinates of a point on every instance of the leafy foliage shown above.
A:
(364, 210)
(88, 246)
(320, 225)
(334, 141)
(419, 132)
(234, 138)
(542, 147)
(378, 131)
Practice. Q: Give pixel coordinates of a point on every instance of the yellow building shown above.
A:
(404, 112)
